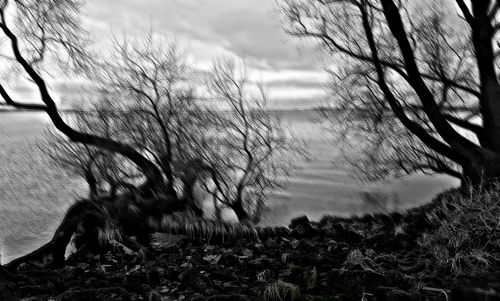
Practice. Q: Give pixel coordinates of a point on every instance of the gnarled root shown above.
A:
(86, 218)
(56, 247)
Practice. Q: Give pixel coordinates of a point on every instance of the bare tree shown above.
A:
(54, 27)
(252, 153)
(51, 31)
(140, 140)
(239, 147)
(152, 85)
(417, 78)
(106, 173)
(146, 101)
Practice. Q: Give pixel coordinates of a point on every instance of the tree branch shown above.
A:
(465, 11)
(445, 130)
(24, 106)
(414, 127)
(152, 173)
(475, 128)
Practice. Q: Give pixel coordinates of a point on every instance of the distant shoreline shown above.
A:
(278, 110)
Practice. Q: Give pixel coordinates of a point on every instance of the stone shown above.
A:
(154, 296)
(5, 293)
(300, 221)
(474, 294)
(233, 297)
(346, 234)
(311, 279)
(398, 295)
(345, 281)
(94, 294)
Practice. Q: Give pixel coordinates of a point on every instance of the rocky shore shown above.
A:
(375, 257)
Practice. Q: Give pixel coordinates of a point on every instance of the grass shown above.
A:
(186, 223)
(469, 234)
(356, 259)
(108, 234)
(282, 291)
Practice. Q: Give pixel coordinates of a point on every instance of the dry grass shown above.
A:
(469, 235)
(356, 259)
(108, 234)
(281, 291)
(186, 223)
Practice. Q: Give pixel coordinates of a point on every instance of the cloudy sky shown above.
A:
(290, 69)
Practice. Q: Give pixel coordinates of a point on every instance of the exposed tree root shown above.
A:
(56, 247)
(94, 222)
(126, 213)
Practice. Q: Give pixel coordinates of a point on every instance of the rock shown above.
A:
(474, 294)
(186, 276)
(302, 227)
(257, 263)
(198, 285)
(300, 221)
(282, 231)
(347, 234)
(5, 293)
(45, 289)
(224, 298)
(136, 278)
(311, 279)
(154, 296)
(404, 241)
(398, 295)
(396, 279)
(484, 281)
(353, 282)
(172, 273)
(416, 267)
(82, 265)
(109, 293)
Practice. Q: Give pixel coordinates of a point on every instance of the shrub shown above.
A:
(281, 291)
(469, 234)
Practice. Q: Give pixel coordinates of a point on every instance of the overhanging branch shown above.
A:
(432, 110)
(465, 11)
(18, 105)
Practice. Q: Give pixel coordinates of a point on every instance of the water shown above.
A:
(34, 194)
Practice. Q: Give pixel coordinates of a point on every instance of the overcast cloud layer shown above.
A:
(291, 71)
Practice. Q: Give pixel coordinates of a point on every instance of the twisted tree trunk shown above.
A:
(128, 212)
(56, 247)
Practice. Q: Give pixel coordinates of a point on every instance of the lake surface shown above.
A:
(34, 194)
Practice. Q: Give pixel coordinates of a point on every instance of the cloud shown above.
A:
(248, 28)
(212, 29)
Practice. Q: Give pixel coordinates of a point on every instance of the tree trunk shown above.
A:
(217, 209)
(92, 182)
(188, 196)
(62, 236)
(483, 33)
(129, 211)
(482, 171)
(240, 211)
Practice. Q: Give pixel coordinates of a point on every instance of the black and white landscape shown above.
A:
(249, 150)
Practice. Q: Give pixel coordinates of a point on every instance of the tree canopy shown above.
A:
(417, 79)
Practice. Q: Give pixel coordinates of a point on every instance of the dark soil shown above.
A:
(335, 259)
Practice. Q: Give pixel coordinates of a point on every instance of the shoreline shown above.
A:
(354, 258)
